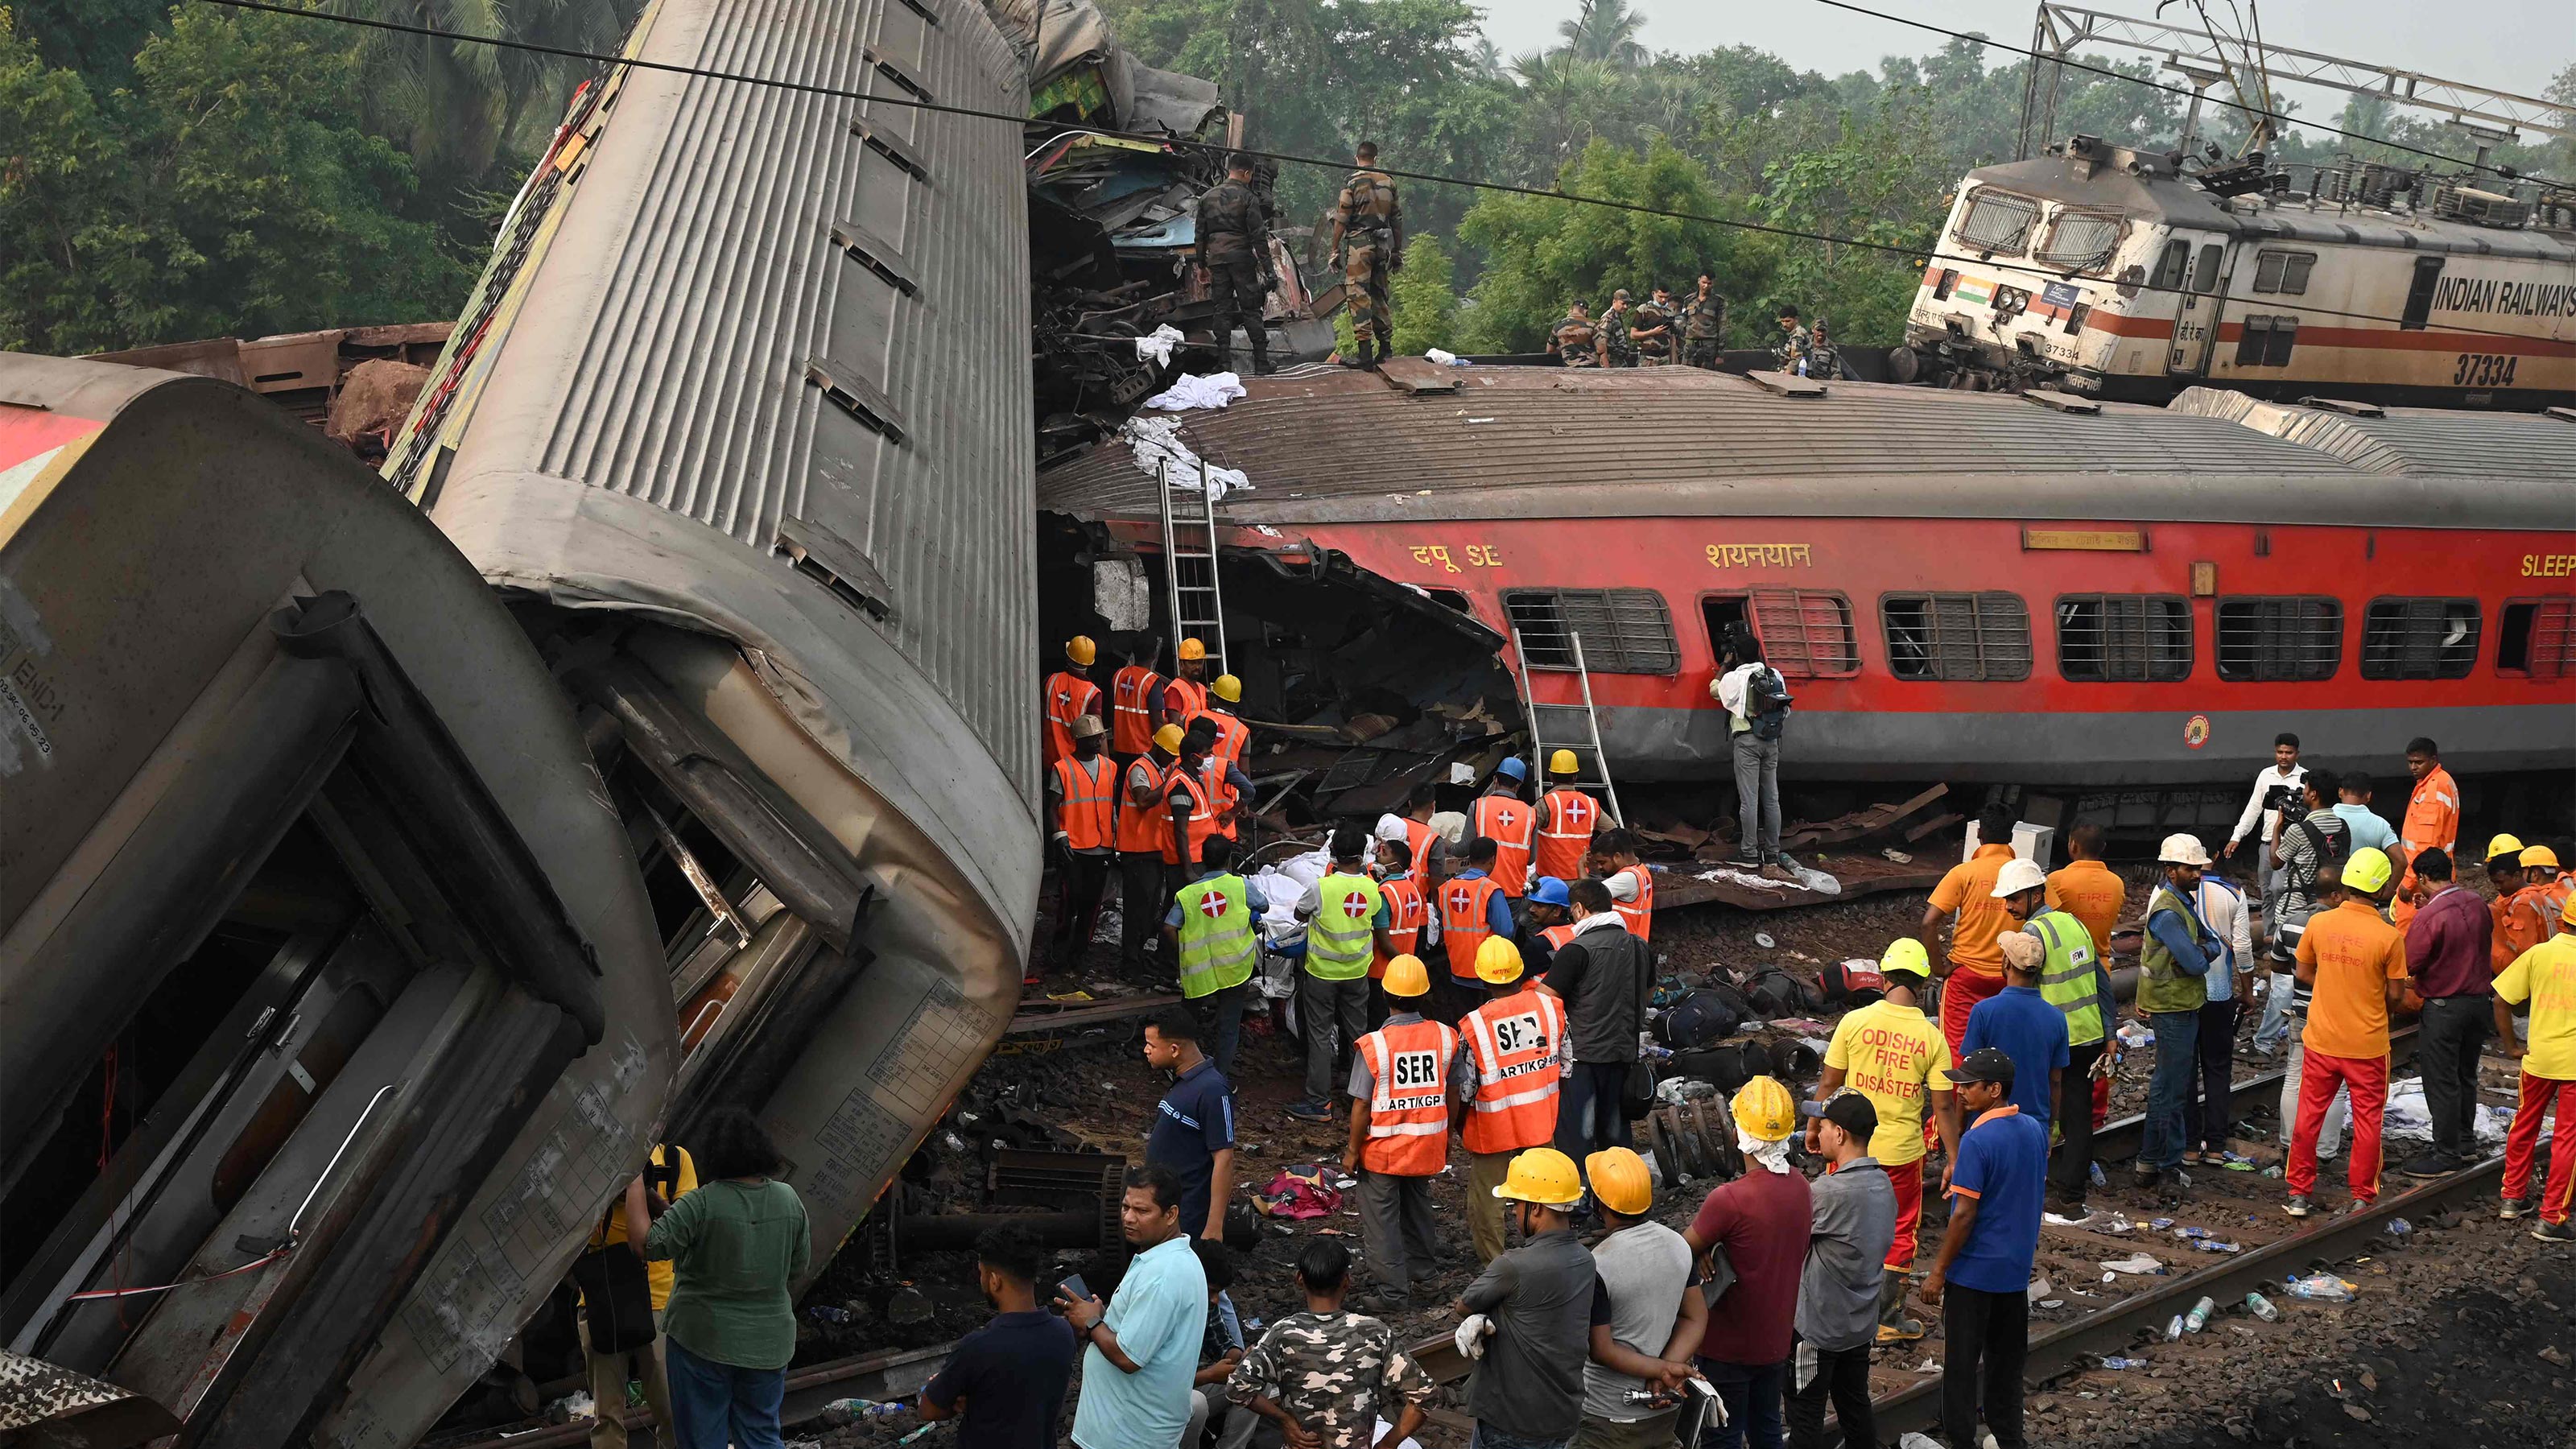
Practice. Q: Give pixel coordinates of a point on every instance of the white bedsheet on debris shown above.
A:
(2407, 1116)
(1155, 445)
(1193, 391)
(1809, 878)
(1156, 346)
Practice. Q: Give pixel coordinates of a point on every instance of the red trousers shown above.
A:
(1908, 1182)
(2537, 1095)
(2366, 1078)
(1961, 990)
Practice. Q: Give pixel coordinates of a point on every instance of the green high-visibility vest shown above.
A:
(1217, 945)
(2163, 986)
(2066, 978)
(1342, 938)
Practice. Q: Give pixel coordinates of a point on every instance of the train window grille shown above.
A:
(2266, 341)
(2537, 638)
(2083, 240)
(1957, 636)
(2419, 638)
(1625, 631)
(2172, 267)
(2283, 272)
(1806, 633)
(1998, 222)
(2272, 639)
(2123, 638)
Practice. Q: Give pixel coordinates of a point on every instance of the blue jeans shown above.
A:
(2276, 1010)
(1489, 1437)
(2177, 1053)
(1588, 1115)
(715, 1403)
(1752, 1397)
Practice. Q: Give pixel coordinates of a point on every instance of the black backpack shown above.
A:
(616, 1289)
(1766, 703)
(2332, 848)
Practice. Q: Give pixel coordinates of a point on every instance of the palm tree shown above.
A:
(1605, 31)
(455, 103)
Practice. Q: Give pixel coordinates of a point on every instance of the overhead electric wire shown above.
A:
(2186, 94)
(1288, 158)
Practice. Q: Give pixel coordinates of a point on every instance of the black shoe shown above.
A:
(2549, 1232)
(2432, 1165)
(2145, 1178)
(1261, 365)
(2513, 1207)
(2298, 1206)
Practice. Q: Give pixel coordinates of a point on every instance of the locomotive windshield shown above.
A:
(2080, 239)
(1998, 221)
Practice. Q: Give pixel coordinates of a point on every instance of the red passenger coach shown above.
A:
(1971, 587)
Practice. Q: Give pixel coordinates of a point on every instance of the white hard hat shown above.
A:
(2019, 875)
(1390, 828)
(2183, 850)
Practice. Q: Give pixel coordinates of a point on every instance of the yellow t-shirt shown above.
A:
(659, 1273)
(1892, 1055)
(2545, 976)
(1979, 926)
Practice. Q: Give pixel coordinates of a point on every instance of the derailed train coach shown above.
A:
(329, 992)
(738, 420)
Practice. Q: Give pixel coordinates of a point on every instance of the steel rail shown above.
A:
(2121, 1136)
(896, 1373)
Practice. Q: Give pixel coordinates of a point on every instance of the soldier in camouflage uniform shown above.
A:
(1703, 325)
(1233, 249)
(1655, 323)
(1368, 245)
(1618, 349)
(1576, 341)
(1792, 348)
(1331, 1372)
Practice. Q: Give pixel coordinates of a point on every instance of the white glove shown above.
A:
(1471, 1335)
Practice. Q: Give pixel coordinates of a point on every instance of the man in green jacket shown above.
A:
(2176, 956)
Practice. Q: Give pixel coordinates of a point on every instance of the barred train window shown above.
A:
(2419, 638)
(2080, 239)
(1998, 222)
(2279, 639)
(1623, 631)
(2124, 638)
(1956, 636)
(1805, 633)
(2537, 637)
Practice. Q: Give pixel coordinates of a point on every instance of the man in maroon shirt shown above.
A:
(1761, 1220)
(2449, 964)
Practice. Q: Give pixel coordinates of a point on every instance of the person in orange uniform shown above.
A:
(2549, 886)
(1070, 695)
(1513, 1050)
(1976, 960)
(1184, 696)
(1191, 802)
(2087, 889)
(1503, 817)
(2522, 917)
(2354, 962)
(1132, 692)
(1407, 908)
(1473, 909)
(1566, 819)
(1144, 830)
(1226, 756)
(1632, 886)
(1400, 1135)
(1082, 788)
(2432, 817)
(2545, 976)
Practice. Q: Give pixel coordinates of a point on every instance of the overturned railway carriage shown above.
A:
(1962, 586)
(2109, 272)
(739, 420)
(328, 989)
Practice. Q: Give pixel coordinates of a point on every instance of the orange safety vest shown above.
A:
(1202, 816)
(1638, 915)
(1463, 920)
(1194, 699)
(1417, 838)
(1220, 793)
(1408, 1131)
(1069, 697)
(1508, 823)
(1089, 815)
(1557, 936)
(1404, 909)
(1132, 692)
(1514, 1042)
(1144, 829)
(1571, 814)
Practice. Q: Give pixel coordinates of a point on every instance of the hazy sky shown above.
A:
(2514, 45)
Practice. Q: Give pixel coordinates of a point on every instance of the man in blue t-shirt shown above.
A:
(2020, 1023)
(1007, 1378)
(1985, 1258)
(1193, 1131)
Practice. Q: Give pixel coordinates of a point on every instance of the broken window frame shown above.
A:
(2001, 201)
(2420, 638)
(1624, 631)
(2536, 637)
(1981, 636)
(2278, 638)
(2134, 638)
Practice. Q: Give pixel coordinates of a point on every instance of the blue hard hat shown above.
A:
(1551, 892)
(1513, 768)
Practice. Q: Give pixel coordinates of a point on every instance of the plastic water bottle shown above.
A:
(2173, 1330)
(2262, 1308)
(2321, 1287)
(2198, 1319)
(850, 1411)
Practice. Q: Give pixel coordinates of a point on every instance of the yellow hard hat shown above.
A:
(1405, 977)
(1620, 1181)
(2567, 912)
(2368, 870)
(1081, 650)
(1763, 1109)
(1905, 954)
(2540, 855)
(1228, 688)
(1191, 649)
(1541, 1175)
(1498, 961)
(1168, 739)
(1562, 764)
(2505, 845)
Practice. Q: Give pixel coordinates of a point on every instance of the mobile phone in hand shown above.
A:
(1073, 1287)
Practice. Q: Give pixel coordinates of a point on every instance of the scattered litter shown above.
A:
(2273, 1171)
(2237, 1162)
(2135, 1035)
(575, 1405)
(1928, 1366)
(2398, 1227)
(2262, 1308)
(2215, 1245)
(1900, 857)
(1193, 392)
(1442, 356)
(2323, 1288)
(1157, 345)
(2160, 1224)
(2115, 1363)
(2137, 1263)
(2199, 1316)
(2052, 1303)
(2173, 1330)
(850, 1411)
(1763, 940)
(2101, 1181)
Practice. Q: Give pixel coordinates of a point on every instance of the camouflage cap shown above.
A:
(1621, 295)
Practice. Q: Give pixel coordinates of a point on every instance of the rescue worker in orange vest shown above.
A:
(1400, 1136)
(1566, 819)
(1472, 910)
(1082, 789)
(1225, 778)
(1547, 922)
(1144, 825)
(1070, 695)
(1407, 908)
(1132, 693)
(2548, 887)
(1191, 803)
(1425, 847)
(1632, 886)
(1503, 817)
(1183, 697)
(1511, 1050)
(2432, 818)
(2514, 905)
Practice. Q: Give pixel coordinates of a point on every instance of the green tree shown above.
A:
(66, 252)
(458, 107)
(1605, 31)
(1420, 295)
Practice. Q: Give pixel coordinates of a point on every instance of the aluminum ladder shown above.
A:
(1579, 727)
(1191, 588)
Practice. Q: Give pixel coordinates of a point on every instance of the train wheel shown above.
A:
(1904, 364)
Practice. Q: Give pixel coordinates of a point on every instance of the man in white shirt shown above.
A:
(1757, 759)
(2275, 787)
